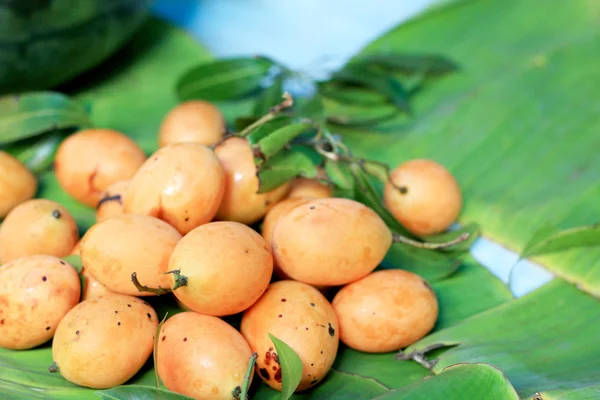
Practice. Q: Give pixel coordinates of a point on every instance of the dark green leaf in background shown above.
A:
(283, 167)
(29, 114)
(270, 97)
(357, 114)
(425, 64)
(351, 94)
(37, 153)
(291, 367)
(226, 79)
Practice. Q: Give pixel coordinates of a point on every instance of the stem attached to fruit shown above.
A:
(249, 372)
(286, 103)
(180, 280)
(397, 238)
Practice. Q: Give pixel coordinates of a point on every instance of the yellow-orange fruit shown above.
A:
(242, 202)
(35, 294)
(330, 242)
(424, 196)
(115, 248)
(192, 121)
(182, 184)
(102, 343)
(300, 316)
(75, 249)
(37, 226)
(228, 266)
(201, 356)
(17, 183)
(309, 189)
(111, 203)
(385, 311)
(91, 287)
(89, 161)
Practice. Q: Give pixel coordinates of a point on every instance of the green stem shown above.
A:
(397, 238)
(286, 103)
(180, 280)
(248, 376)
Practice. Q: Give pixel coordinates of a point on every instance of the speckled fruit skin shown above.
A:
(309, 189)
(228, 266)
(330, 242)
(182, 184)
(35, 294)
(103, 342)
(17, 183)
(242, 202)
(385, 311)
(201, 356)
(300, 316)
(113, 249)
(37, 226)
(89, 161)
(112, 200)
(432, 201)
(192, 121)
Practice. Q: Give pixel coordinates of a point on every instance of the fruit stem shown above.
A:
(53, 368)
(286, 103)
(180, 280)
(397, 238)
(248, 376)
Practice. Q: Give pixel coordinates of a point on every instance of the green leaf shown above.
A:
(383, 83)
(37, 153)
(270, 97)
(280, 138)
(29, 114)
(357, 114)
(75, 262)
(542, 341)
(311, 108)
(340, 174)
(291, 367)
(138, 392)
(549, 239)
(264, 130)
(460, 381)
(351, 94)
(284, 167)
(431, 265)
(584, 393)
(425, 64)
(225, 79)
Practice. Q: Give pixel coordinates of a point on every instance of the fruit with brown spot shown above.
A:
(89, 161)
(242, 202)
(385, 311)
(182, 184)
(424, 197)
(192, 121)
(201, 356)
(300, 316)
(112, 201)
(228, 266)
(17, 183)
(330, 242)
(35, 294)
(113, 249)
(102, 343)
(37, 226)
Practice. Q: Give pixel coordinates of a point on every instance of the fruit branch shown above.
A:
(247, 378)
(286, 103)
(180, 280)
(397, 238)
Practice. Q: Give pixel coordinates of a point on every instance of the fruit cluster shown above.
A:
(182, 222)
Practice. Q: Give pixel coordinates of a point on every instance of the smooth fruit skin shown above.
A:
(35, 294)
(309, 189)
(201, 356)
(300, 316)
(432, 201)
(182, 184)
(228, 266)
(37, 226)
(385, 311)
(103, 342)
(91, 288)
(242, 202)
(192, 121)
(89, 161)
(330, 242)
(113, 249)
(112, 200)
(17, 183)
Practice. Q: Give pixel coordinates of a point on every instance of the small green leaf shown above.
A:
(264, 130)
(426, 64)
(431, 265)
(75, 262)
(549, 239)
(155, 351)
(270, 97)
(277, 140)
(37, 153)
(357, 114)
(284, 167)
(383, 83)
(351, 94)
(225, 79)
(339, 174)
(30, 114)
(291, 367)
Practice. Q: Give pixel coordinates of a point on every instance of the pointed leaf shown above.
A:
(357, 114)
(264, 130)
(280, 138)
(549, 239)
(426, 64)
(225, 79)
(339, 173)
(347, 94)
(291, 367)
(30, 114)
(284, 167)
